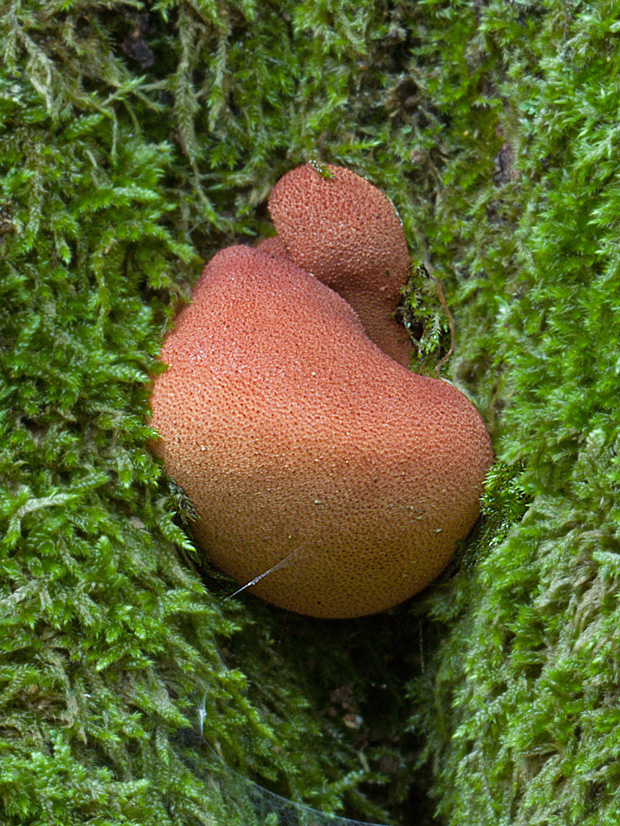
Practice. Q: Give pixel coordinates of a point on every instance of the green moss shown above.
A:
(110, 639)
(526, 677)
(135, 140)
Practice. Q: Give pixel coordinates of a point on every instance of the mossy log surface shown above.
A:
(136, 139)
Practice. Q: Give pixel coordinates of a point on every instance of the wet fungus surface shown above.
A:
(306, 450)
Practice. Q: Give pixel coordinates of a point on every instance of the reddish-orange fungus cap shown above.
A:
(305, 449)
(345, 232)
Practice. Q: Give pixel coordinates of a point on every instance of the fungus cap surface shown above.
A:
(305, 449)
(344, 231)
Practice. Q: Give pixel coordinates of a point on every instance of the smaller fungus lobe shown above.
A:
(344, 231)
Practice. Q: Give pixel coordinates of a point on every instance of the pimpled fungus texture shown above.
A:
(346, 233)
(274, 247)
(302, 445)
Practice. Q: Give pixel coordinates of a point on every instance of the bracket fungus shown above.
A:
(323, 473)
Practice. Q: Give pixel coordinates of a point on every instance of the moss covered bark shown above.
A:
(526, 681)
(136, 139)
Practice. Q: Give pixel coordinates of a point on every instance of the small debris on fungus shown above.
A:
(325, 477)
